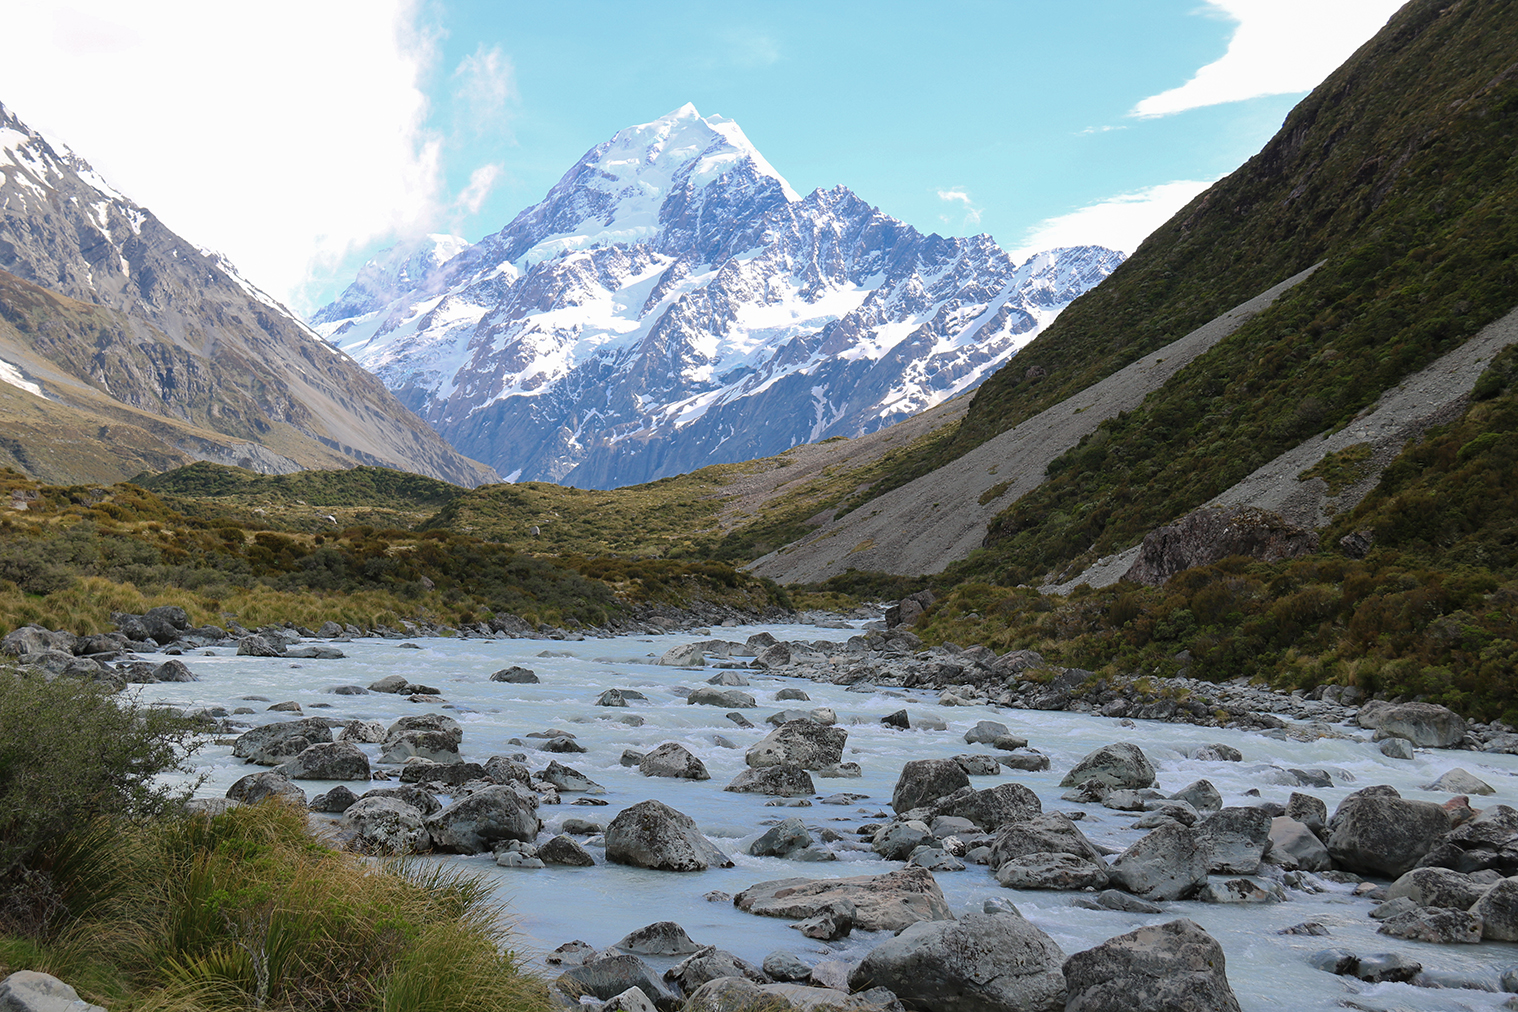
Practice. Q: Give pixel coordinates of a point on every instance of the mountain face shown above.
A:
(106, 314)
(673, 303)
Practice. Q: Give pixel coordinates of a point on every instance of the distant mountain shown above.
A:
(112, 325)
(673, 303)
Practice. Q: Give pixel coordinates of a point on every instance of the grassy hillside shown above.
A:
(1431, 611)
(1398, 172)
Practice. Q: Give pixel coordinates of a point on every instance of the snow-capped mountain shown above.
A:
(673, 303)
(120, 318)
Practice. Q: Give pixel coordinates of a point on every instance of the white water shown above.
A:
(601, 904)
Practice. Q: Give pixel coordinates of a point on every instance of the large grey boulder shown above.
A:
(924, 781)
(475, 824)
(255, 787)
(385, 825)
(1294, 846)
(273, 744)
(806, 743)
(417, 797)
(1427, 725)
(1237, 839)
(686, 655)
(566, 850)
(979, 963)
(428, 735)
(417, 770)
(1042, 834)
(781, 840)
(1200, 795)
(708, 963)
(896, 840)
(1437, 925)
(1498, 910)
(1174, 967)
(1168, 863)
(735, 994)
(1118, 766)
(1459, 781)
(1381, 833)
(989, 809)
(1052, 870)
(787, 781)
(673, 760)
(605, 976)
(887, 902)
(653, 835)
(710, 695)
(1437, 887)
(662, 938)
(332, 760)
(515, 675)
(31, 991)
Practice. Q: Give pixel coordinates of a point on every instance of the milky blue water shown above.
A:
(601, 904)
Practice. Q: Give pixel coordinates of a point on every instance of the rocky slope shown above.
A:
(108, 318)
(673, 303)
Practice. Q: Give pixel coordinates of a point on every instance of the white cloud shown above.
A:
(1121, 222)
(958, 195)
(486, 86)
(1279, 47)
(481, 180)
(284, 134)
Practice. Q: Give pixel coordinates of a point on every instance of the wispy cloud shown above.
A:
(1120, 222)
(485, 88)
(1279, 47)
(958, 195)
(481, 181)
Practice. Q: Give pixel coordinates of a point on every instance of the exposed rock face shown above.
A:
(1210, 535)
(1174, 967)
(179, 356)
(805, 743)
(651, 834)
(887, 902)
(1382, 833)
(630, 294)
(1121, 765)
(924, 781)
(979, 963)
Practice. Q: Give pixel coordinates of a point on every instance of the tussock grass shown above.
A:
(248, 911)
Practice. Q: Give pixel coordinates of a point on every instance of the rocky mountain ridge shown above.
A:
(106, 314)
(673, 303)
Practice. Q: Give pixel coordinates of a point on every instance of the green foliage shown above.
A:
(247, 911)
(1398, 173)
(70, 753)
(1342, 469)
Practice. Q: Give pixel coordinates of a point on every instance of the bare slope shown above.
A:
(941, 517)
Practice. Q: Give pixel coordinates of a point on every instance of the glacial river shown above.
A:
(599, 905)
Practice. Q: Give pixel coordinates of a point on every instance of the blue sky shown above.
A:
(300, 138)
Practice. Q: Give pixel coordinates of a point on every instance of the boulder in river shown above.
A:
(886, 902)
(605, 975)
(385, 825)
(923, 781)
(1377, 832)
(989, 809)
(565, 850)
(979, 963)
(662, 938)
(708, 963)
(1119, 765)
(476, 823)
(1498, 910)
(330, 760)
(273, 744)
(1458, 781)
(735, 994)
(1168, 863)
(1237, 839)
(1042, 834)
(1172, 967)
(1426, 725)
(1294, 846)
(805, 742)
(1052, 870)
(516, 675)
(710, 695)
(1437, 887)
(787, 781)
(673, 760)
(255, 787)
(781, 840)
(651, 834)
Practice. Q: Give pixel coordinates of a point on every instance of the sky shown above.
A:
(299, 137)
